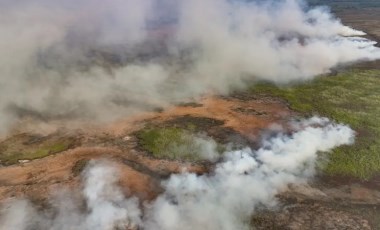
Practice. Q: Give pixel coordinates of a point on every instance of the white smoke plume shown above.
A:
(244, 181)
(106, 59)
(106, 206)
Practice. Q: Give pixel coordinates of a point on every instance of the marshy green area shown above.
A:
(170, 143)
(351, 97)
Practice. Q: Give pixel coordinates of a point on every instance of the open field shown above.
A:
(338, 5)
(351, 97)
(150, 147)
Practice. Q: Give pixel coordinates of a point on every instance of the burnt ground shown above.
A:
(366, 20)
(323, 206)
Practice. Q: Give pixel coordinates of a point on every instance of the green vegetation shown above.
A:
(172, 143)
(26, 147)
(352, 98)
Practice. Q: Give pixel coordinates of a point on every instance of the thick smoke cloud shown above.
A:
(243, 182)
(105, 59)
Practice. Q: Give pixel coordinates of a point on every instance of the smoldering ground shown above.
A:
(242, 182)
(100, 60)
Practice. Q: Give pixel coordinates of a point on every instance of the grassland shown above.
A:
(353, 98)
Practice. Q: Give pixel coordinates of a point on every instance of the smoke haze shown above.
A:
(242, 182)
(93, 59)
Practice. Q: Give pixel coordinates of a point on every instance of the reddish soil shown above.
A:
(254, 115)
